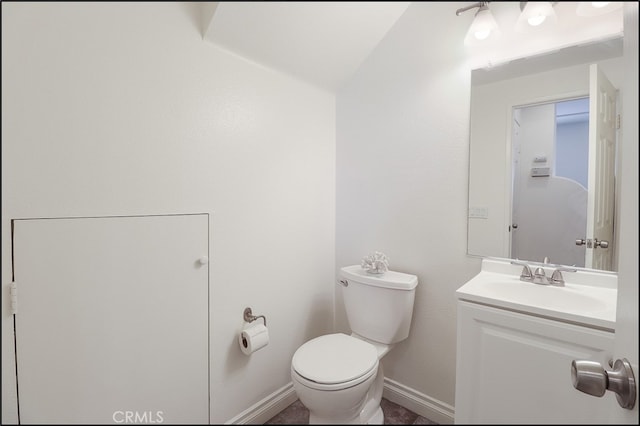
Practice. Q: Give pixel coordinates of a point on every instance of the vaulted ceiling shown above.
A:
(323, 43)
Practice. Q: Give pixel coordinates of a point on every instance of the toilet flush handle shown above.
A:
(345, 283)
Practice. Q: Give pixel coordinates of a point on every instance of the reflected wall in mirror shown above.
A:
(550, 148)
(533, 157)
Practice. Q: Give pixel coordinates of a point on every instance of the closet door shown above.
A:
(112, 319)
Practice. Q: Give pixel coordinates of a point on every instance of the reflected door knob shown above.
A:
(589, 377)
(602, 244)
(580, 242)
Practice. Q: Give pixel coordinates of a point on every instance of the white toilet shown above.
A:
(339, 378)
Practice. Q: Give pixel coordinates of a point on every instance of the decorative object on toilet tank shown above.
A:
(376, 263)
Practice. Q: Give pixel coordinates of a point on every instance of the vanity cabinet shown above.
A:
(514, 367)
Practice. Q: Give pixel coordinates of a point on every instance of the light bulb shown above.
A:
(535, 15)
(481, 35)
(534, 21)
(483, 28)
(596, 8)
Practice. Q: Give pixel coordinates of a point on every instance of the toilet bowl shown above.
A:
(339, 377)
(335, 376)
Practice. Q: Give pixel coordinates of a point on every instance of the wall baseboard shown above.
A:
(418, 402)
(411, 399)
(266, 408)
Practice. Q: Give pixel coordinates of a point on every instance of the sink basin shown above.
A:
(569, 297)
(588, 298)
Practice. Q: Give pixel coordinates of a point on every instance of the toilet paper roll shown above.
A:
(253, 338)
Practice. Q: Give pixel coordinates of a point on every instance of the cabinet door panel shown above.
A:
(516, 368)
(112, 319)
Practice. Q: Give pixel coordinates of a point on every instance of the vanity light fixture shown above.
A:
(534, 15)
(595, 8)
(483, 27)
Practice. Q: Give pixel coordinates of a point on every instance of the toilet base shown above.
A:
(377, 418)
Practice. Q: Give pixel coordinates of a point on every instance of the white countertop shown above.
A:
(589, 297)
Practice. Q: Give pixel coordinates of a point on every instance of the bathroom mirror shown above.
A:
(524, 181)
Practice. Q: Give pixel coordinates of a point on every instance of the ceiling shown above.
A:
(322, 43)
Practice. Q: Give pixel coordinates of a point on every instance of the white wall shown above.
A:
(402, 158)
(572, 151)
(123, 109)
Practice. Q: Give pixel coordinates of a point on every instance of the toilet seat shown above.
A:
(334, 361)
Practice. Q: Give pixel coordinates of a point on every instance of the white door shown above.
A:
(112, 320)
(626, 336)
(626, 345)
(515, 185)
(601, 180)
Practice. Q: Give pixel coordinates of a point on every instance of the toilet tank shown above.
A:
(379, 307)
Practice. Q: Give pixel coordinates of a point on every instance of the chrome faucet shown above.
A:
(557, 279)
(540, 276)
(526, 274)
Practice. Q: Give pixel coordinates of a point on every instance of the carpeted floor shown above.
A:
(394, 414)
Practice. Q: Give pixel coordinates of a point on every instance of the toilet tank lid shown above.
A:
(390, 279)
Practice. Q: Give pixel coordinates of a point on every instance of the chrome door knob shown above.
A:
(602, 244)
(580, 242)
(589, 377)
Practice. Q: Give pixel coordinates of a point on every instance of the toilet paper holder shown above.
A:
(249, 317)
